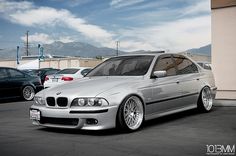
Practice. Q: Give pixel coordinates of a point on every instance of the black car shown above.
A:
(15, 83)
(42, 73)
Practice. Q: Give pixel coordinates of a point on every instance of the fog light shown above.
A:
(91, 121)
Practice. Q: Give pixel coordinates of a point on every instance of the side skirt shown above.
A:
(156, 115)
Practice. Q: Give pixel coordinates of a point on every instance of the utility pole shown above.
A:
(27, 43)
(117, 47)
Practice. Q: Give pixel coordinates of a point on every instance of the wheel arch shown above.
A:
(125, 98)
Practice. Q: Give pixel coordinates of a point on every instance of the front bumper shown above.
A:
(105, 117)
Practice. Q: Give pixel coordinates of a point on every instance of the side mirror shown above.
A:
(158, 74)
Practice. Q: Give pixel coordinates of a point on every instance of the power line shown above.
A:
(27, 43)
(117, 47)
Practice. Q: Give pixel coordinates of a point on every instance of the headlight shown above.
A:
(39, 100)
(89, 102)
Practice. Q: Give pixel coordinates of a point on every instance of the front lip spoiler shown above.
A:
(88, 112)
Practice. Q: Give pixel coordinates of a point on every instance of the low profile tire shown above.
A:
(130, 114)
(28, 93)
(205, 100)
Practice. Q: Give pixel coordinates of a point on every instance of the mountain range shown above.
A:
(205, 50)
(81, 50)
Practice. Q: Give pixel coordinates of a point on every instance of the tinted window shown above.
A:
(3, 74)
(201, 64)
(185, 66)
(85, 71)
(68, 71)
(50, 72)
(167, 64)
(15, 73)
(123, 66)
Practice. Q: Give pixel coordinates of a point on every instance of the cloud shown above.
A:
(33, 16)
(65, 39)
(73, 3)
(124, 3)
(202, 6)
(173, 36)
(11, 6)
(39, 38)
(42, 38)
(174, 29)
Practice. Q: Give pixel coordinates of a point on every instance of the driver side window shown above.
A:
(166, 64)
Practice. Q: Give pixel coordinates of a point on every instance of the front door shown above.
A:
(16, 81)
(166, 90)
(4, 84)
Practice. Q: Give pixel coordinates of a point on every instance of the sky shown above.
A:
(171, 25)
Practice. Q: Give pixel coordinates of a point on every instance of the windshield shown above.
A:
(123, 66)
(68, 71)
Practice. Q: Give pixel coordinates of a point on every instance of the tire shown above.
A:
(205, 100)
(28, 93)
(130, 114)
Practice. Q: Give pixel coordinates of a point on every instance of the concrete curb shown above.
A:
(225, 102)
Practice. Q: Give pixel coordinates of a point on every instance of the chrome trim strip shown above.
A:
(172, 98)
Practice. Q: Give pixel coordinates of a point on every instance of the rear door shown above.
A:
(16, 81)
(188, 79)
(4, 84)
(166, 90)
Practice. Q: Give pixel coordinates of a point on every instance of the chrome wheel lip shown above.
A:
(207, 98)
(28, 93)
(133, 113)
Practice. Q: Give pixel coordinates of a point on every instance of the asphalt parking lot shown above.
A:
(185, 133)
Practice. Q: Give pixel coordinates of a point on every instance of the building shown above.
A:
(59, 63)
(223, 15)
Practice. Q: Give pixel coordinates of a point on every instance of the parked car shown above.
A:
(124, 91)
(15, 83)
(205, 65)
(30, 71)
(43, 72)
(65, 75)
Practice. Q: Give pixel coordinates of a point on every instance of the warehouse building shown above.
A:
(223, 16)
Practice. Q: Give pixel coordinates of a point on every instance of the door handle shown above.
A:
(197, 79)
(177, 82)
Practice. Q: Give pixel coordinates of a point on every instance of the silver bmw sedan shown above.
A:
(125, 91)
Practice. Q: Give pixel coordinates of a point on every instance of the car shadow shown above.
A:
(147, 125)
(11, 100)
(108, 132)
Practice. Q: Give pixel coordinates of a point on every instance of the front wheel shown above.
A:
(130, 114)
(28, 93)
(205, 100)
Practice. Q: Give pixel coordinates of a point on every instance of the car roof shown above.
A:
(8, 68)
(152, 54)
(144, 53)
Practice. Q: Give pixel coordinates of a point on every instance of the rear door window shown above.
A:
(185, 66)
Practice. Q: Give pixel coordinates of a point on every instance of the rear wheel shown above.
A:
(28, 93)
(130, 114)
(205, 100)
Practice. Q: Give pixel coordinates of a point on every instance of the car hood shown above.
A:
(91, 87)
